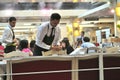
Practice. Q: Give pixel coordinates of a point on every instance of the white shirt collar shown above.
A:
(50, 26)
(10, 27)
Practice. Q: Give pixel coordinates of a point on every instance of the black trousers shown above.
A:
(9, 49)
(38, 51)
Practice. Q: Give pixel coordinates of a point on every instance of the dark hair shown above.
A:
(66, 41)
(32, 43)
(83, 32)
(113, 35)
(23, 44)
(55, 16)
(86, 39)
(12, 19)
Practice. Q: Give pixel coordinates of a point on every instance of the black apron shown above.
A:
(11, 46)
(48, 39)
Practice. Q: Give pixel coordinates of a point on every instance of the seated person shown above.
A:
(1, 50)
(66, 46)
(106, 43)
(87, 44)
(24, 47)
(32, 45)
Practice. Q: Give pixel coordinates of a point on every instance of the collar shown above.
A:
(10, 27)
(50, 26)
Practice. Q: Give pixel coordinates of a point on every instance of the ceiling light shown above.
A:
(27, 24)
(46, 12)
(112, 10)
(8, 12)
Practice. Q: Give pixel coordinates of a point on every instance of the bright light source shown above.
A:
(21, 0)
(75, 0)
(27, 24)
(118, 22)
(8, 12)
(46, 12)
(112, 11)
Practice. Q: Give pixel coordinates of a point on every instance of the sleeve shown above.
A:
(42, 30)
(6, 35)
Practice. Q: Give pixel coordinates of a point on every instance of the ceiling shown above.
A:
(49, 5)
(20, 6)
(30, 13)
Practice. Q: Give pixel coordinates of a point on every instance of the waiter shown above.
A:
(8, 37)
(48, 35)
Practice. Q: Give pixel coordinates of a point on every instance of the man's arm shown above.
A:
(6, 36)
(42, 31)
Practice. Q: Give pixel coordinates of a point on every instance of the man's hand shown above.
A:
(56, 47)
(15, 40)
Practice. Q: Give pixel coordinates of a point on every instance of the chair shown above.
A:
(79, 51)
(92, 50)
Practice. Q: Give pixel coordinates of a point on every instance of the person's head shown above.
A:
(82, 33)
(23, 44)
(86, 39)
(55, 19)
(12, 21)
(32, 44)
(65, 43)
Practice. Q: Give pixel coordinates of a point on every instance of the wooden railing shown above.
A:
(99, 66)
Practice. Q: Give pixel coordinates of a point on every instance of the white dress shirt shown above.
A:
(7, 36)
(87, 45)
(42, 31)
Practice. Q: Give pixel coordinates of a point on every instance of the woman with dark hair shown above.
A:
(32, 45)
(66, 46)
(24, 47)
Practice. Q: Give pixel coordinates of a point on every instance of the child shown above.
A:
(24, 47)
(1, 50)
